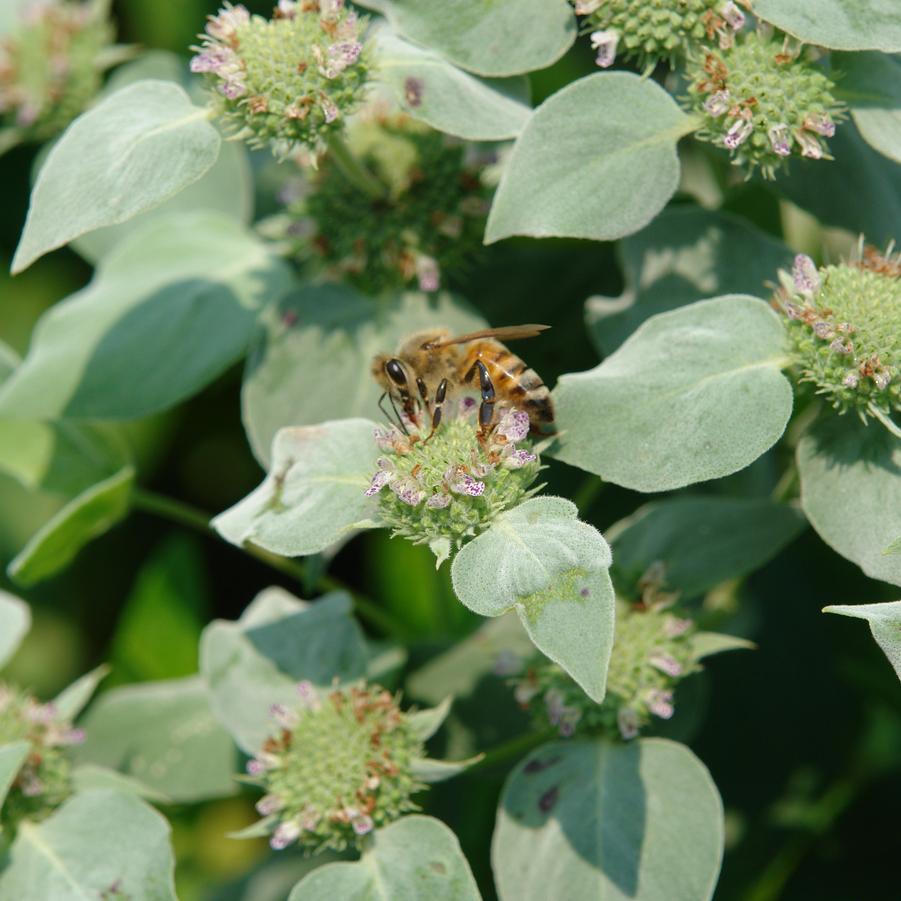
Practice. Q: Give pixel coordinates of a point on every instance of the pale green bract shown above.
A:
(436, 92)
(144, 336)
(416, 857)
(596, 160)
(98, 842)
(693, 394)
(591, 819)
(540, 560)
(15, 621)
(314, 494)
(870, 83)
(851, 491)
(885, 624)
(128, 154)
(12, 756)
(837, 24)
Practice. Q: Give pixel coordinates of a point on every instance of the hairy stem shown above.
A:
(353, 170)
(514, 748)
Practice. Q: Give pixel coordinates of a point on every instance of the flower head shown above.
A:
(340, 767)
(285, 81)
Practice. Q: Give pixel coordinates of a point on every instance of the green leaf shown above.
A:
(596, 160)
(433, 771)
(257, 661)
(702, 541)
(851, 491)
(134, 150)
(597, 820)
(337, 331)
(425, 723)
(73, 699)
(144, 336)
(894, 547)
(12, 756)
(540, 560)
(706, 644)
(484, 36)
(837, 24)
(164, 735)
(99, 844)
(314, 493)
(871, 85)
(83, 519)
(860, 190)
(436, 92)
(15, 621)
(88, 777)
(885, 624)
(694, 394)
(685, 254)
(414, 858)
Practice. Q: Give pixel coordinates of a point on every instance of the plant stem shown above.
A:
(184, 514)
(516, 747)
(354, 171)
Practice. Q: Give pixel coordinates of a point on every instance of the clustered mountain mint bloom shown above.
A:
(445, 488)
(429, 223)
(44, 780)
(845, 328)
(285, 81)
(652, 653)
(336, 767)
(50, 68)
(649, 31)
(764, 99)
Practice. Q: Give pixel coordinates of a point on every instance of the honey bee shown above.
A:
(431, 364)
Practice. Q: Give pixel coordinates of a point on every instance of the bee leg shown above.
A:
(440, 395)
(424, 394)
(486, 409)
(395, 371)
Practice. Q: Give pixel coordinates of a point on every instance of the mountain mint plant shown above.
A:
(294, 273)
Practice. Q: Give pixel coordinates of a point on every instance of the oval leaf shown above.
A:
(330, 328)
(257, 661)
(541, 560)
(15, 621)
(837, 24)
(128, 154)
(12, 756)
(596, 820)
(685, 254)
(416, 857)
(99, 844)
(694, 394)
(436, 92)
(871, 85)
(885, 624)
(164, 735)
(315, 492)
(144, 336)
(484, 36)
(851, 491)
(596, 160)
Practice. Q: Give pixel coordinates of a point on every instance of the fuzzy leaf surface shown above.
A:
(693, 394)
(540, 560)
(15, 621)
(12, 756)
(885, 624)
(871, 85)
(596, 160)
(134, 150)
(590, 819)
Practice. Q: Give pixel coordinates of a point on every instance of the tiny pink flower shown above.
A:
(627, 723)
(717, 103)
(308, 695)
(362, 824)
(841, 347)
(738, 133)
(427, 273)
(379, 481)
(821, 124)
(810, 146)
(516, 459)
(507, 663)
(284, 835)
(780, 139)
(660, 703)
(269, 804)
(438, 501)
(32, 787)
(823, 330)
(605, 43)
(329, 110)
(666, 663)
(882, 379)
(851, 379)
(514, 425)
(461, 482)
(805, 276)
(408, 490)
(286, 718)
(674, 626)
(256, 767)
(226, 22)
(733, 16)
(587, 7)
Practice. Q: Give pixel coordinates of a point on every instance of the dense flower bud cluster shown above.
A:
(845, 329)
(650, 31)
(764, 99)
(337, 766)
(50, 68)
(288, 80)
(450, 485)
(429, 222)
(44, 780)
(653, 651)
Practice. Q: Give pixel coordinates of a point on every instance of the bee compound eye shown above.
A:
(396, 373)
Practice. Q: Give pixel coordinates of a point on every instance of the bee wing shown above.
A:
(505, 333)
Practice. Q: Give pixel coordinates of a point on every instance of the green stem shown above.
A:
(354, 171)
(876, 413)
(514, 748)
(186, 515)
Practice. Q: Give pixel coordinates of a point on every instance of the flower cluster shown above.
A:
(43, 781)
(429, 223)
(337, 766)
(652, 653)
(845, 329)
(650, 31)
(443, 488)
(288, 80)
(764, 99)
(50, 68)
